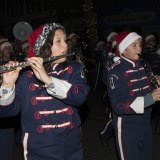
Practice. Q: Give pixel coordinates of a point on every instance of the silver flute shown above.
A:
(24, 64)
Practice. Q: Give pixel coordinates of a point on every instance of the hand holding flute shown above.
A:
(13, 66)
(9, 78)
(11, 70)
(36, 64)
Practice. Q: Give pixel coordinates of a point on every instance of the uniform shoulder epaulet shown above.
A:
(115, 64)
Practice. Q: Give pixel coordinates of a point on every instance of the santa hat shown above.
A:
(3, 40)
(111, 35)
(113, 44)
(5, 44)
(150, 36)
(38, 37)
(124, 39)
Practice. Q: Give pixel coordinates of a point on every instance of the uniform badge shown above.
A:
(83, 75)
(111, 80)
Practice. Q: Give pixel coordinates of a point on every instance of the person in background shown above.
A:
(104, 54)
(152, 58)
(107, 132)
(74, 40)
(111, 41)
(6, 124)
(49, 99)
(131, 95)
(149, 52)
(25, 47)
(5, 52)
(74, 45)
(99, 52)
(109, 54)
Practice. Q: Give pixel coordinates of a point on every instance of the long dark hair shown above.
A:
(45, 50)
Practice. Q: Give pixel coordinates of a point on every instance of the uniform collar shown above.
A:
(129, 61)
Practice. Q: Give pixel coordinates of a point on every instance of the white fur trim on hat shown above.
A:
(41, 39)
(116, 58)
(110, 36)
(3, 40)
(5, 44)
(129, 39)
(113, 44)
(149, 37)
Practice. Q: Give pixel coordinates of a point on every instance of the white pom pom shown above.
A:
(113, 44)
(115, 59)
(110, 53)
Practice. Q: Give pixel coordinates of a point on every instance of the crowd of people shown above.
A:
(47, 105)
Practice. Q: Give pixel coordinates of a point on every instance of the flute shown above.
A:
(4, 69)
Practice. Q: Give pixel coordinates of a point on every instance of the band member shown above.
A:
(22, 56)
(48, 96)
(6, 124)
(5, 52)
(131, 95)
(149, 52)
(107, 132)
(151, 57)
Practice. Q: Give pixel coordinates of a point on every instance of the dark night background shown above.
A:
(103, 15)
(92, 20)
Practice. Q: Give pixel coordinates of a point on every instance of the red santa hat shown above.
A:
(110, 36)
(38, 37)
(124, 39)
(32, 39)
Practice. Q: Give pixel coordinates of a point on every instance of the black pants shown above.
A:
(6, 144)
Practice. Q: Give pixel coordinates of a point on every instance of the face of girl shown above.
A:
(59, 46)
